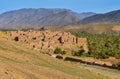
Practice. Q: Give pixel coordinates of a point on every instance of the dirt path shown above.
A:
(113, 74)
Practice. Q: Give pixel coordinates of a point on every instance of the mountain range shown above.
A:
(112, 17)
(24, 18)
(28, 18)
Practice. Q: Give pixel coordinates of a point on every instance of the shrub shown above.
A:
(118, 65)
(100, 55)
(86, 54)
(117, 55)
(63, 52)
(58, 50)
(78, 53)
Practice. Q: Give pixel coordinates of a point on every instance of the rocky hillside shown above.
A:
(85, 15)
(27, 18)
(107, 18)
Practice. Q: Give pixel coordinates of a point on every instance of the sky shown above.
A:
(97, 6)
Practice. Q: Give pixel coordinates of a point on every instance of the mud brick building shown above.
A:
(47, 40)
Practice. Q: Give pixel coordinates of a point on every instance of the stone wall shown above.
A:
(47, 40)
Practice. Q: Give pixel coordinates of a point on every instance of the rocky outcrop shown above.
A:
(47, 40)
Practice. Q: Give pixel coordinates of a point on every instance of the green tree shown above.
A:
(102, 45)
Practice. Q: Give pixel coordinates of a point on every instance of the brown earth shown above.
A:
(48, 40)
(20, 62)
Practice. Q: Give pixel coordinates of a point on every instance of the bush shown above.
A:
(86, 54)
(117, 55)
(58, 50)
(100, 55)
(63, 52)
(118, 65)
(78, 53)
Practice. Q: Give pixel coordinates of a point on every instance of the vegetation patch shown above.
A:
(58, 50)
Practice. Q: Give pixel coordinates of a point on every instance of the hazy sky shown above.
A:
(99, 6)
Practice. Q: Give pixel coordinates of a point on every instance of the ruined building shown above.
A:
(47, 40)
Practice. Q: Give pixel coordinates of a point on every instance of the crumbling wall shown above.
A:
(47, 40)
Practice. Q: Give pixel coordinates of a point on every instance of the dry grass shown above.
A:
(96, 28)
(19, 62)
(116, 28)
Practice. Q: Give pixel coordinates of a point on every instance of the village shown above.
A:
(47, 41)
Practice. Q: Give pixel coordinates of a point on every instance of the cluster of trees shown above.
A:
(102, 46)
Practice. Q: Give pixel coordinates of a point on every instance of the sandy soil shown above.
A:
(112, 73)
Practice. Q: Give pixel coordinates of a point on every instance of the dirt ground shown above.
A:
(112, 73)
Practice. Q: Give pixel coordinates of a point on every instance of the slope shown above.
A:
(112, 17)
(27, 18)
(19, 62)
